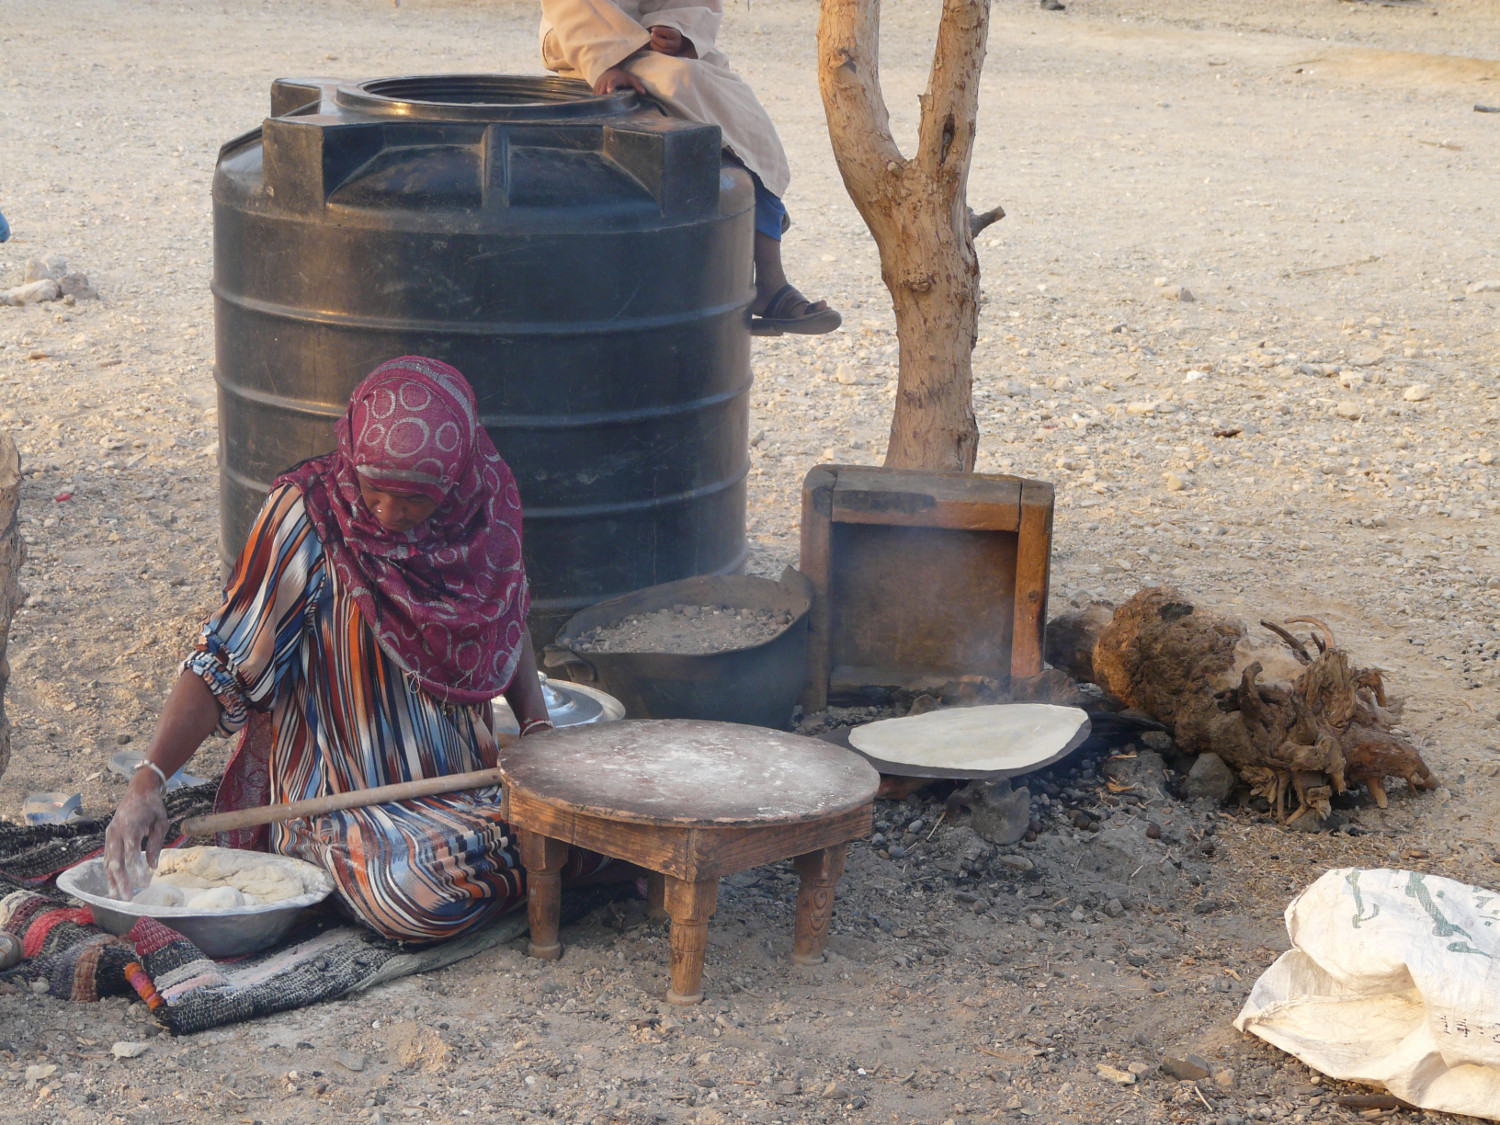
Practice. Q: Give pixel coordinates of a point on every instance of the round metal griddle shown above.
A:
(840, 737)
(687, 772)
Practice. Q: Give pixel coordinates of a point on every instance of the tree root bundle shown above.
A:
(1296, 720)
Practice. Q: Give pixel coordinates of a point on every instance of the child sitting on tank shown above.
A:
(665, 48)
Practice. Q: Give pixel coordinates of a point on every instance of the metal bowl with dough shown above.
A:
(218, 933)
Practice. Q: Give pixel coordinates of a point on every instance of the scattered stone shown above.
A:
(1349, 410)
(1177, 293)
(1309, 821)
(1186, 1068)
(1491, 286)
(32, 293)
(44, 269)
(964, 850)
(351, 1061)
(128, 1050)
(1115, 1074)
(1158, 740)
(76, 285)
(1209, 777)
(1053, 6)
(1114, 908)
(1365, 357)
(1175, 483)
(1015, 862)
(1417, 392)
(997, 812)
(1124, 863)
(1145, 773)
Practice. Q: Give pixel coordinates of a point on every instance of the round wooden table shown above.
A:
(690, 801)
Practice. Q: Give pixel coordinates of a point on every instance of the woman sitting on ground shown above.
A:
(378, 606)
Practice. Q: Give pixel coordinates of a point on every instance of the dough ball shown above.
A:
(182, 879)
(250, 873)
(160, 894)
(268, 883)
(219, 898)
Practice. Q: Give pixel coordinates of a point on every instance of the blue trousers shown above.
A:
(770, 212)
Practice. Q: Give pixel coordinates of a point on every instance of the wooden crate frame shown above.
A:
(992, 619)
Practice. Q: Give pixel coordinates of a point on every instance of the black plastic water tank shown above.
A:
(585, 261)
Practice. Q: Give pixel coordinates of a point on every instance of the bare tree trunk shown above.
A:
(917, 209)
(12, 554)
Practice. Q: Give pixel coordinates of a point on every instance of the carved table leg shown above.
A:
(690, 905)
(819, 872)
(543, 859)
(656, 895)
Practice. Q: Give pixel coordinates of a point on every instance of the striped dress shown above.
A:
(345, 717)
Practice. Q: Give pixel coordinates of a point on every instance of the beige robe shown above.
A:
(584, 38)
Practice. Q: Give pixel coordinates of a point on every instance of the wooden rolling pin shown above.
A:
(355, 799)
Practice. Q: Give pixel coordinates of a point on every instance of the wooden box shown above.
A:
(920, 575)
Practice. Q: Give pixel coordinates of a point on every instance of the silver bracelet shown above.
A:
(156, 769)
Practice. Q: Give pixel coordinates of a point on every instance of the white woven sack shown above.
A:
(1392, 980)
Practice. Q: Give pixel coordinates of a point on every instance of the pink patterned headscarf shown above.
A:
(446, 600)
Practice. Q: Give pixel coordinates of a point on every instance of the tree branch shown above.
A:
(978, 220)
(950, 105)
(849, 78)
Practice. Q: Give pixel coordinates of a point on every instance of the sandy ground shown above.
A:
(1314, 173)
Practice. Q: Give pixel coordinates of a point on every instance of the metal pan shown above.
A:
(904, 769)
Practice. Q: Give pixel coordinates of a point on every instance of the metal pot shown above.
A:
(758, 685)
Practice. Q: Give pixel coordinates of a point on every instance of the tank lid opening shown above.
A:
(483, 97)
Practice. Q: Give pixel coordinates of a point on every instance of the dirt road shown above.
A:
(1312, 172)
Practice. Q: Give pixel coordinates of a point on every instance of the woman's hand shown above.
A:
(139, 824)
(187, 718)
(618, 78)
(524, 694)
(670, 41)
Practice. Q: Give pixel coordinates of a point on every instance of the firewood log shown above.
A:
(1296, 727)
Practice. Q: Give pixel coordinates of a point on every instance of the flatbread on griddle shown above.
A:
(1004, 736)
